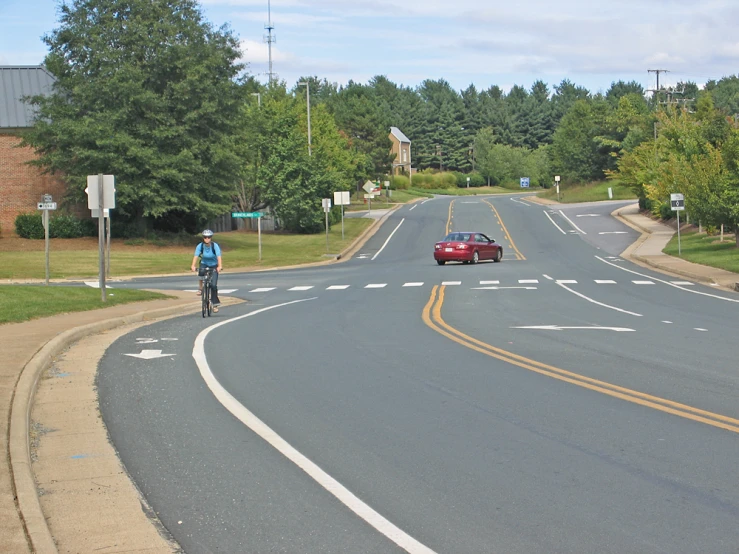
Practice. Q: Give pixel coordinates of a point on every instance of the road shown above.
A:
(564, 400)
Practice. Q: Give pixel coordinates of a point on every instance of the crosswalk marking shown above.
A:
(643, 282)
(528, 281)
(490, 282)
(337, 287)
(605, 282)
(566, 281)
(451, 283)
(302, 287)
(684, 283)
(413, 285)
(376, 286)
(263, 289)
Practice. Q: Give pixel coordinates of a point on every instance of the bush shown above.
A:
(665, 211)
(29, 225)
(65, 227)
(398, 182)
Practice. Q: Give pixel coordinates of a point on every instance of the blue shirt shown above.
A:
(208, 253)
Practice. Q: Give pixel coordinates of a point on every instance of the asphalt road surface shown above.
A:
(564, 400)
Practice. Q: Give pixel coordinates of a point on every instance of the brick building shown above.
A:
(21, 185)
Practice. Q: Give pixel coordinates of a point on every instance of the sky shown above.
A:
(592, 43)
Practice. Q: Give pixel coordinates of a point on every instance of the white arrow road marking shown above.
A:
(613, 232)
(349, 499)
(560, 328)
(499, 288)
(149, 354)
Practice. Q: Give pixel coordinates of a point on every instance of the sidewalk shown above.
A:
(31, 347)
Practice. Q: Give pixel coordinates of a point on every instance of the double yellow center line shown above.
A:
(432, 317)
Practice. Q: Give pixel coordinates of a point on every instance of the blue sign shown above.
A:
(524, 182)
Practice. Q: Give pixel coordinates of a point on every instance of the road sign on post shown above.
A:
(101, 196)
(258, 217)
(677, 204)
(341, 198)
(242, 215)
(524, 182)
(46, 205)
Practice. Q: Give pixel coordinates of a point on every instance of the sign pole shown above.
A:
(326, 230)
(107, 258)
(46, 245)
(101, 238)
(679, 250)
(342, 224)
(259, 236)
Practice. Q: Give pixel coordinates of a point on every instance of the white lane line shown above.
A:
(643, 282)
(490, 282)
(263, 289)
(700, 329)
(302, 287)
(684, 283)
(587, 215)
(413, 207)
(613, 232)
(605, 282)
(528, 281)
(554, 222)
(598, 303)
(668, 283)
(517, 201)
(388, 239)
(566, 281)
(337, 287)
(376, 286)
(470, 202)
(384, 526)
(451, 283)
(413, 285)
(665, 321)
(572, 223)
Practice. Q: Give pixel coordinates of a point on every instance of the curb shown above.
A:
(23, 481)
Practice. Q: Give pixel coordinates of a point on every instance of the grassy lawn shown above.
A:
(23, 302)
(472, 191)
(240, 250)
(592, 192)
(706, 250)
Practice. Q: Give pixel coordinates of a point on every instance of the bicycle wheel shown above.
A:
(206, 298)
(210, 304)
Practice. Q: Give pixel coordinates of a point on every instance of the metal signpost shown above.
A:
(677, 203)
(252, 215)
(342, 199)
(101, 196)
(326, 203)
(556, 181)
(46, 205)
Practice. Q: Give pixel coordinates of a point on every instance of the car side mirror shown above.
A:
(492, 240)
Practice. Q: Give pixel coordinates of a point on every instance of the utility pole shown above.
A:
(657, 71)
(269, 39)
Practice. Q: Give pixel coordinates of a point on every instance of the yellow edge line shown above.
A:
(505, 230)
(432, 314)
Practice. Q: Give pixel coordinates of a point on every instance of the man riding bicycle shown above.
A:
(210, 257)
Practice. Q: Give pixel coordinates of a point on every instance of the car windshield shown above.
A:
(457, 237)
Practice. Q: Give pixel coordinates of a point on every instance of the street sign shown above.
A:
(524, 182)
(93, 202)
(369, 186)
(341, 198)
(47, 205)
(326, 203)
(246, 214)
(677, 202)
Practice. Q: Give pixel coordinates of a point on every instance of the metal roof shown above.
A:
(398, 134)
(15, 83)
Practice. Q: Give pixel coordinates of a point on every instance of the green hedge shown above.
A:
(30, 226)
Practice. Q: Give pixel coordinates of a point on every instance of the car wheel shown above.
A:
(440, 262)
(475, 257)
(498, 255)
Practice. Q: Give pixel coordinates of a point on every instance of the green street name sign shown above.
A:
(246, 214)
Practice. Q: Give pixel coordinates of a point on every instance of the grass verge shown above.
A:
(24, 302)
(707, 250)
(592, 192)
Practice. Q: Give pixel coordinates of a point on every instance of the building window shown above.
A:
(405, 157)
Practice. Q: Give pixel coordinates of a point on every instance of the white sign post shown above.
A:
(677, 204)
(46, 205)
(326, 203)
(341, 198)
(556, 181)
(101, 196)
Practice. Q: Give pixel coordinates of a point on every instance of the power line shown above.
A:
(657, 71)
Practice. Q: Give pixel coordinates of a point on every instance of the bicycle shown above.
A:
(207, 287)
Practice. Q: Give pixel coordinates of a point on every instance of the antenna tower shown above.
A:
(269, 39)
(657, 71)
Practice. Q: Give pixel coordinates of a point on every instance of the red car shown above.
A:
(467, 247)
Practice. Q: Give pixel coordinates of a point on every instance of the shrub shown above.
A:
(65, 227)
(399, 182)
(665, 211)
(29, 225)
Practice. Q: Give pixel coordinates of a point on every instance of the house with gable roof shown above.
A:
(402, 149)
(22, 186)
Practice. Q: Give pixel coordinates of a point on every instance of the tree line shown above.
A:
(150, 91)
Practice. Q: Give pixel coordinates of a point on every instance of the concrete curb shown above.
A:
(29, 507)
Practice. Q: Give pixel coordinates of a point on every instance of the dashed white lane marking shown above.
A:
(302, 287)
(413, 285)
(683, 283)
(490, 282)
(528, 281)
(665, 321)
(700, 329)
(605, 282)
(227, 291)
(376, 286)
(566, 281)
(643, 282)
(451, 283)
(337, 287)
(263, 289)
(349, 499)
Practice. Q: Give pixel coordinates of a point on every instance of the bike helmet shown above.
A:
(207, 233)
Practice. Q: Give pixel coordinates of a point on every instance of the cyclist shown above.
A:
(210, 256)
